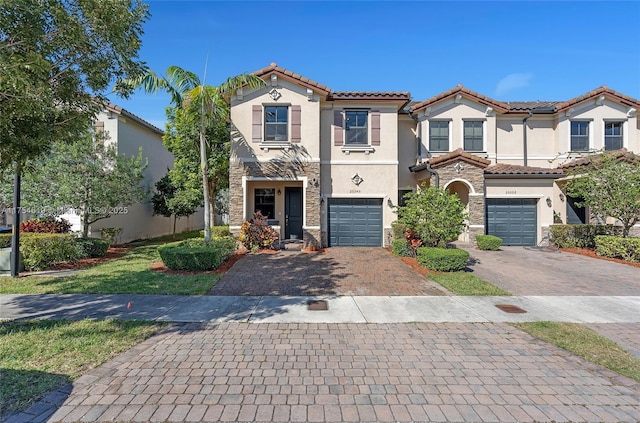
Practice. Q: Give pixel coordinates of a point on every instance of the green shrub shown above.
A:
(581, 236)
(397, 230)
(5, 240)
(93, 247)
(218, 231)
(196, 254)
(110, 234)
(42, 251)
(488, 242)
(616, 247)
(400, 247)
(443, 259)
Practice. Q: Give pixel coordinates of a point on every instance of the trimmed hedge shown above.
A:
(581, 236)
(42, 251)
(5, 240)
(443, 259)
(218, 232)
(195, 254)
(400, 247)
(616, 247)
(398, 230)
(93, 247)
(488, 242)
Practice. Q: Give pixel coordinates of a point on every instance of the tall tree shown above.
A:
(87, 177)
(609, 184)
(200, 109)
(57, 58)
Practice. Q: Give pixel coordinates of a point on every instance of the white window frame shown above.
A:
(484, 135)
(589, 137)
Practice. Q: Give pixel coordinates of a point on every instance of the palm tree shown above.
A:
(210, 104)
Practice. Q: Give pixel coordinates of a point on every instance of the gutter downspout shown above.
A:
(524, 136)
(428, 168)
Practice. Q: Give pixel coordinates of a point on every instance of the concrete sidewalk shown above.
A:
(341, 309)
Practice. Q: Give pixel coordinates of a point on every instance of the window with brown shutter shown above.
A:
(375, 127)
(338, 124)
(256, 134)
(296, 134)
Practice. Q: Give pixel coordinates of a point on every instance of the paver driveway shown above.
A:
(542, 271)
(350, 372)
(338, 271)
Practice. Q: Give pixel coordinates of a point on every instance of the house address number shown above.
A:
(510, 192)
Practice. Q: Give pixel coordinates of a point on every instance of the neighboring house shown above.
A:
(330, 166)
(131, 133)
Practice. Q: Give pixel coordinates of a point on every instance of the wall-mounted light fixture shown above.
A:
(549, 203)
(321, 202)
(561, 197)
(279, 192)
(389, 202)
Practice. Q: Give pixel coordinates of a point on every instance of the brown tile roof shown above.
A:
(509, 169)
(603, 90)
(622, 155)
(370, 95)
(451, 157)
(119, 110)
(498, 105)
(292, 76)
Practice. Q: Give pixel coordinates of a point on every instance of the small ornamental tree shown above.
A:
(170, 200)
(436, 215)
(609, 184)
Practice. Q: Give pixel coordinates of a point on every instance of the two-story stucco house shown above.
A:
(330, 166)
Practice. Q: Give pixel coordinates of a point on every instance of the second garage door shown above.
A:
(513, 219)
(355, 222)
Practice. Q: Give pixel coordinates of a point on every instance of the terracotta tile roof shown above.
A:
(119, 110)
(498, 105)
(603, 90)
(509, 169)
(453, 156)
(622, 155)
(294, 77)
(525, 106)
(370, 95)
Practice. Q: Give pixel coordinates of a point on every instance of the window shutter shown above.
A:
(98, 126)
(295, 124)
(375, 127)
(338, 134)
(256, 135)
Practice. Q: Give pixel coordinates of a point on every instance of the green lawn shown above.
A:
(130, 274)
(462, 283)
(39, 356)
(586, 343)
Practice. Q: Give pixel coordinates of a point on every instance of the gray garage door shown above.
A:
(355, 222)
(514, 220)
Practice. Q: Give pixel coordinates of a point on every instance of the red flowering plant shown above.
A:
(255, 234)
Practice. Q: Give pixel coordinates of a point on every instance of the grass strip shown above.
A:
(463, 283)
(37, 356)
(585, 343)
(130, 274)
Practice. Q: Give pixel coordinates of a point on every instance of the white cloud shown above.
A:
(513, 81)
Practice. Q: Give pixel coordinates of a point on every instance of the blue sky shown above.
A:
(508, 50)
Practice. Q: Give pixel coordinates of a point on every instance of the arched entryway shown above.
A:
(461, 188)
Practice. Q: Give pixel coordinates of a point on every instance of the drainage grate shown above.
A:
(316, 305)
(510, 308)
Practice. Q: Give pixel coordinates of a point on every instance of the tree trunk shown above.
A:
(205, 186)
(212, 203)
(85, 224)
(175, 217)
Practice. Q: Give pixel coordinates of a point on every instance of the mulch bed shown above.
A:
(413, 263)
(112, 254)
(220, 270)
(592, 253)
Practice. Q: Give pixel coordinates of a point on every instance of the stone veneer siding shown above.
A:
(280, 171)
(475, 176)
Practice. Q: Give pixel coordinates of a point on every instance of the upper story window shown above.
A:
(473, 138)
(356, 130)
(275, 123)
(439, 136)
(579, 135)
(613, 136)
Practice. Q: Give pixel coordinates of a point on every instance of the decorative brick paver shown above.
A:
(337, 271)
(388, 372)
(627, 335)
